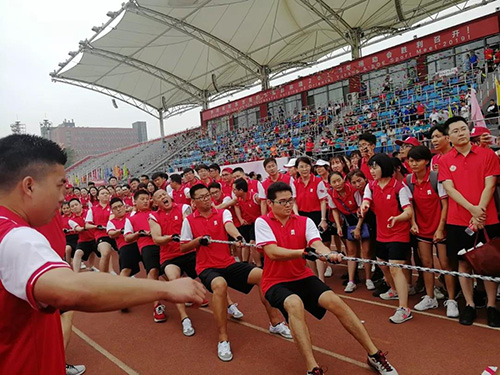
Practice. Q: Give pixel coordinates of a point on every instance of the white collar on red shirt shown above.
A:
(426, 177)
(197, 213)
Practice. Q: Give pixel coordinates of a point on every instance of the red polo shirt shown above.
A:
(281, 177)
(135, 223)
(99, 215)
(366, 169)
(250, 210)
(86, 235)
(297, 233)
(309, 196)
(65, 225)
(118, 224)
(467, 174)
(384, 204)
(213, 255)
(352, 200)
(180, 196)
(227, 189)
(170, 223)
(53, 232)
(128, 201)
(31, 340)
(427, 205)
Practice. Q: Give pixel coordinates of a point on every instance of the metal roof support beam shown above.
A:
(399, 10)
(162, 128)
(161, 74)
(211, 41)
(264, 78)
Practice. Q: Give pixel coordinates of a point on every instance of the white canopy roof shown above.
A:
(177, 54)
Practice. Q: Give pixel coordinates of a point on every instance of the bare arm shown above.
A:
(232, 230)
(475, 211)
(114, 233)
(66, 290)
(191, 245)
(156, 234)
(275, 252)
(263, 207)
(490, 184)
(131, 237)
(237, 211)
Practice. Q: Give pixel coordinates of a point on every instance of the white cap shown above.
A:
(291, 163)
(321, 163)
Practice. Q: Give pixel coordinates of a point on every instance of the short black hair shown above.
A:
(303, 159)
(114, 200)
(135, 179)
(420, 153)
(201, 166)
(368, 137)
(76, 188)
(354, 173)
(384, 162)
(187, 170)
(238, 169)
(176, 178)
(398, 164)
(451, 120)
(126, 186)
(140, 192)
(142, 186)
(440, 128)
(214, 185)
(270, 160)
(24, 155)
(90, 183)
(74, 199)
(241, 184)
(214, 166)
(159, 174)
(195, 188)
(145, 176)
(277, 187)
(109, 179)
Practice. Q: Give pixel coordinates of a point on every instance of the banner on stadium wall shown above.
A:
(256, 166)
(429, 44)
(447, 72)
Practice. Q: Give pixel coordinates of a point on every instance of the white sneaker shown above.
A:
(113, 273)
(94, 269)
(438, 293)
(187, 327)
(328, 272)
(281, 329)
(234, 311)
(83, 266)
(369, 284)
(75, 370)
(401, 315)
(224, 351)
(451, 308)
(350, 287)
(389, 295)
(361, 266)
(380, 364)
(426, 303)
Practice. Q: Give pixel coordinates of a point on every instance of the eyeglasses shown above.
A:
(203, 197)
(287, 202)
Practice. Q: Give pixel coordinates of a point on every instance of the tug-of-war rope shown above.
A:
(378, 263)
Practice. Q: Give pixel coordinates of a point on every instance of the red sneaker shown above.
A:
(159, 313)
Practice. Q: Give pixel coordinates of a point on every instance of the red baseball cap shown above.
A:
(409, 141)
(479, 130)
(68, 186)
(229, 170)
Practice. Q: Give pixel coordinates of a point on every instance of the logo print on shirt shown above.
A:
(388, 196)
(429, 192)
(215, 222)
(292, 232)
(311, 190)
(176, 218)
(453, 168)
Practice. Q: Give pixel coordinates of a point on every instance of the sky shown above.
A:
(36, 35)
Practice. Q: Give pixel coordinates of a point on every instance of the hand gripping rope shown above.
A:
(378, 263)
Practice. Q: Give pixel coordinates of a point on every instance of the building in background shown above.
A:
(85, 141)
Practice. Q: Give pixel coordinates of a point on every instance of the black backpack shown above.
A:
(433, 178)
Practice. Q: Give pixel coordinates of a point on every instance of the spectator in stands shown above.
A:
(204, 174)
(434, 117)
(492, 111)
(497, 57)
(473, 61)
(488, 58)
(466, 63)
(464, 109)
(420, 110)
(481, 136)
(387, 84)
(214, 172)
(309, 147)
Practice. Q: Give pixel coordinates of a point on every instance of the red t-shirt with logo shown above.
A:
(86, 235)
(297, 233)
(53, 231)
(99, 215)
(249, 206)
(309, 196)
(366, 169)
(118, 224)
(137, 222)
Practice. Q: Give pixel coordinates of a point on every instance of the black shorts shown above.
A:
(309, 290)
(151, 257)
(236, 276)
(88, 247)
(371, 221)
(393, 251)
(186, 263)
(457, 239)
(72, 241)
(130, 257)
(109, 240)
(247, 232)
(315, 216)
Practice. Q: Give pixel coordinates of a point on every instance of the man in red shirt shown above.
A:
(189, 177)
(227, 181)
(404, 147)
(215, 266)
(271, 167)
(137, 229)
(160, 179)
(214, 172)
(420, 111)
(178, 191)
(86, 244)
(441, 143)
(366, 145)
(291, 287)
(204, 174)
(469, 175)
(34, 282)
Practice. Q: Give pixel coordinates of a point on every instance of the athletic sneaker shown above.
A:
(328, 272)
(350, 287)
(389, 295)
(467, 316)
(317, 371)
(380, 363)
(369, 284)
(281, 329)
(75, 370)
(234, 311)
(438, 293)
(451, 308)
(159, 313)
(426, 303)
(187, 327)
(401, 315)
(94, 269)
(83, 266)
(224, 351)
(493, 316)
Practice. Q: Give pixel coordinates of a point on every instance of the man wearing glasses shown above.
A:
(215, 266)
(291, 287)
